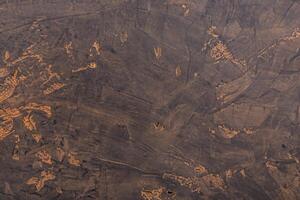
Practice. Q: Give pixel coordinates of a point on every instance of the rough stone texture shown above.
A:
(150, 99)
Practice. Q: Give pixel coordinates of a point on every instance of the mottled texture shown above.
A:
(149, 99)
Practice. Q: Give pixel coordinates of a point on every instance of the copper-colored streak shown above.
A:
(37, 137)
(54, 87)
(34, 106)
(29, 122)
(152, 194)
(212, 31)
(158, 126)
(16, 155)
(221, 52)
(228, 132)
(69, 48)
(6, 128)
(44, 156)
(9, 87)
(4, 72)
(39, 182)
(28, 53)
(9, 113)
(214, 181)
(72, 160)
(271, 166)
(200, 169)
(6, 56)
(50, 74)
(92, 65)
(198, 184)
(293, 36)
(38, 57)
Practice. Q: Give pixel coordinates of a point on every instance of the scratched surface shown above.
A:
(149, 99)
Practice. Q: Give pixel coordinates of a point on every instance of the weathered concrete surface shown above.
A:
(150, 99)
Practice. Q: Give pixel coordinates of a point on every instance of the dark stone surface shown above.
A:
(150, 99)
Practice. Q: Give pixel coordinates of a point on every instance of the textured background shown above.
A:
(149, 99)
